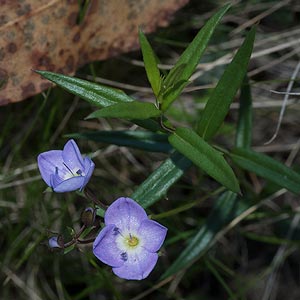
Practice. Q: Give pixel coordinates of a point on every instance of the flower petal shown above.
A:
(105, 247)
(89, 167)
(152, 234)
(126, 214)
(55, 180)
(72, 156)
(48, 162)
(68, 185)
(137, 267)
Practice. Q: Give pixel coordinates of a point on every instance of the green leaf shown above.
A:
(191, 56)
(221, 97)
(129, 110)
(191, 145)
(174, 76)
(244, 127)
(226, 208)
(150, 124)
(267, 168)
(150, 63)
(172, 90)
(143, 140)
(159, 182)
(98, 95)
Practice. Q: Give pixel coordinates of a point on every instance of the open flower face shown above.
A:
(65, 170)
(129, 241)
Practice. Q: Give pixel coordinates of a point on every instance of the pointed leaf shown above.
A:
(244, 128)
(172, 90)
(150, 63)
(191, 56)
(171, 84)
(219, 102)
(226, 208)
(98, 95)
(174, 76)
(143, 140)
(159, 182)
(191, 145)
(268, 168)
(150, 124)
(129, 110)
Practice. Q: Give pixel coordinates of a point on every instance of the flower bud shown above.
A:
(88, 217)
(56, 242)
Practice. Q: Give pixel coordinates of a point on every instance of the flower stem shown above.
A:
(91, 196)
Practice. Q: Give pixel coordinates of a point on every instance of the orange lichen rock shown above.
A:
(46, 35)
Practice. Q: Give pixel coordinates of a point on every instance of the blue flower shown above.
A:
(129, 241)
(65, 170)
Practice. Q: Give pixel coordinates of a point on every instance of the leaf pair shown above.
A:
(168, 89)
(114, 103)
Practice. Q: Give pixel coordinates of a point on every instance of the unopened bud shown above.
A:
(88, 217)
(56, 242)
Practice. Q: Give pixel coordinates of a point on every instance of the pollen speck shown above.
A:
(132, 241)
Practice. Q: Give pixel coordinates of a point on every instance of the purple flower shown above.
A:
(129, 241)
(65, 170)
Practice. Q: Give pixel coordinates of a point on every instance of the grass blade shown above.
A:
(267, 168)
(191, 145)
(226, 208)
(219, 102)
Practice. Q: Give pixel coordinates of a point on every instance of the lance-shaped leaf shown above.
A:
(191, 145)
(171, 84)
(173, 77)
(244, 127)
(159, 182)
(170, 92)
(219, 102)
(226, 208)
(267, 168)
(189, 59)
(96, 94)
(150, 63)
(129, 110)
(143, 140)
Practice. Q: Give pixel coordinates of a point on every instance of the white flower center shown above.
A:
(129, 242)
(68, 173)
